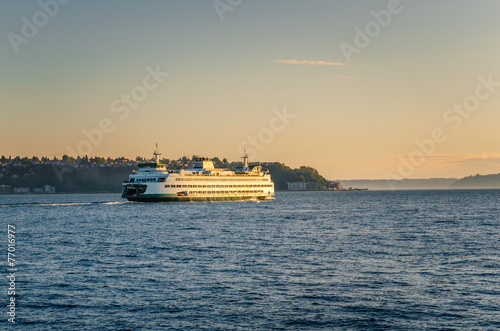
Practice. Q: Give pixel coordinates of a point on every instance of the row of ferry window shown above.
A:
(144, 180)
(162, 179)
(219, 179)
(224, 192)
(214, 186)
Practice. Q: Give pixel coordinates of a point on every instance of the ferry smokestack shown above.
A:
(245, 161)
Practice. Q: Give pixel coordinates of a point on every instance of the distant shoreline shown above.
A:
(94, 176)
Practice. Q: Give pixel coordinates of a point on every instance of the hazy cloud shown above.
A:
(483, 159)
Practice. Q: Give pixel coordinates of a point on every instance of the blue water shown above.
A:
(312, 260)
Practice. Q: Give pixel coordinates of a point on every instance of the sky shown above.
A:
(356, 89)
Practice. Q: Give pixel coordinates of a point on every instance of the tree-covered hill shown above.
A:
(281, 174)
(67, 179)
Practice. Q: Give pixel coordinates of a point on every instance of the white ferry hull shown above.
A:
(198, 190)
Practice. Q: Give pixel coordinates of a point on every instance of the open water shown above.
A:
(312, 260)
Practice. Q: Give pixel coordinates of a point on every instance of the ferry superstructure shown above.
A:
(153, 182)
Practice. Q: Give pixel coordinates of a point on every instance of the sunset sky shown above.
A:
(356, 89)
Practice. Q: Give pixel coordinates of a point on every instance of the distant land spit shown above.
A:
(471, 182)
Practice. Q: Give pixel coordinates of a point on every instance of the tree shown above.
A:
(97, 160)
(68, 159)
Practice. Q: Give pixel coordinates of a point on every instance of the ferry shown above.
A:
(153, 182)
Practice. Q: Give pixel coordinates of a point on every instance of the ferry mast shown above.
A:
(156, 154)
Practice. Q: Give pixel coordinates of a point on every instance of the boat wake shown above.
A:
(37, 204)
(115, 202)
